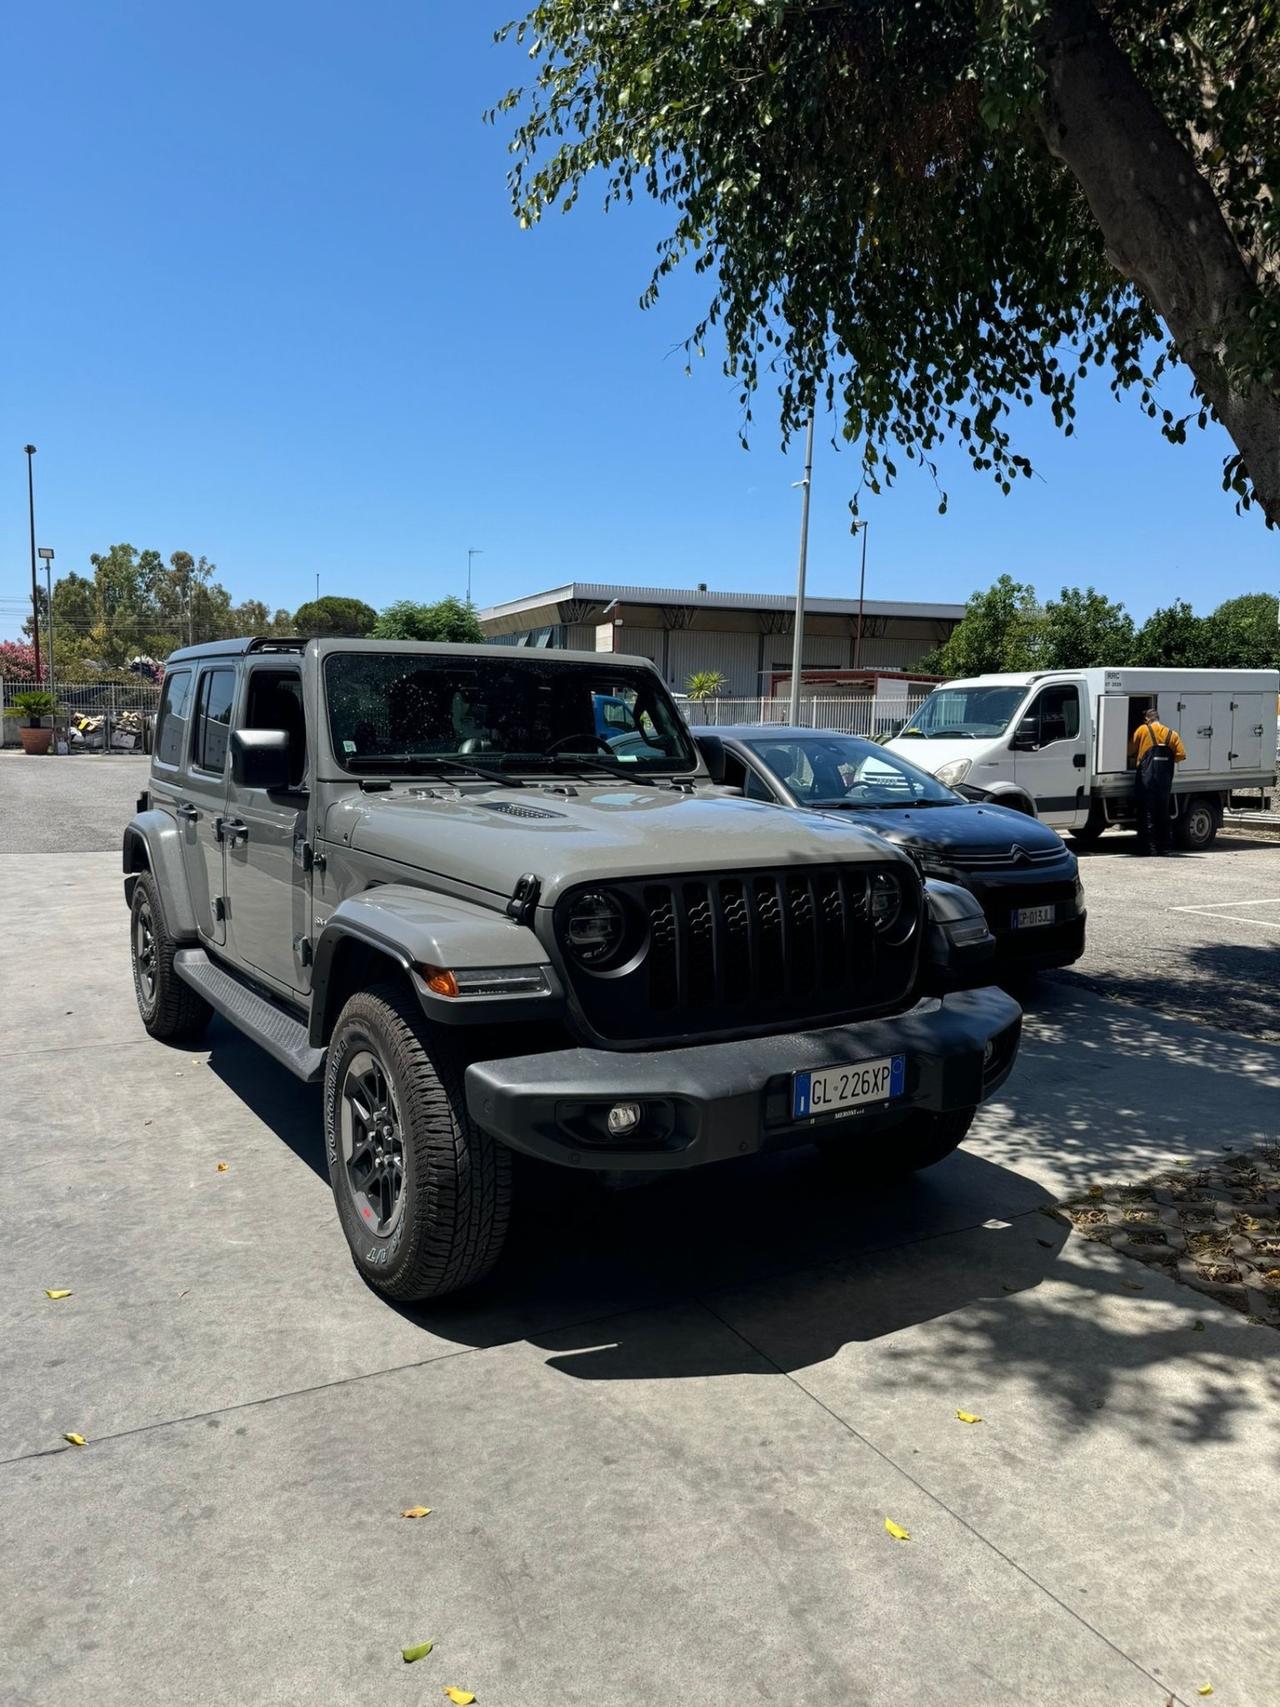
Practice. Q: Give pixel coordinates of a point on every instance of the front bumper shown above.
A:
(712, 1101)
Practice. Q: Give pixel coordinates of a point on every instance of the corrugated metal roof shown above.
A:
(601, 592)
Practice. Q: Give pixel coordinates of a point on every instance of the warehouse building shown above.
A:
(745, 636)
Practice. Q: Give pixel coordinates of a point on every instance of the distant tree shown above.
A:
(1083, 629)
(449, 619)
(1172, 635)
(1244, 633)
(334, 616)
(251, 617)
(1000, 630)
(706, 684)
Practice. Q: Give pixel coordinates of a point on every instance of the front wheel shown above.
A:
(423, 1195)
(1196, 826)
(922, 1141)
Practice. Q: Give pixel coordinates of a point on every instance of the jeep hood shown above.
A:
(490, 837)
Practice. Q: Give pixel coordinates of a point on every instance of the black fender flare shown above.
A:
(152, 843)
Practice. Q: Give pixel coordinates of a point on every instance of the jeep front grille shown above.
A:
(748, 951)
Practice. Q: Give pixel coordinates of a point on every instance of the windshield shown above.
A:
(390, 709)
(841, 770)
(959, 712)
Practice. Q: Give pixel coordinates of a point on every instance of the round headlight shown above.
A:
(595, 928)
(886, 900)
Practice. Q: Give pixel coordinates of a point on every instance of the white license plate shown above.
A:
(853, 1085)
(1023, 917)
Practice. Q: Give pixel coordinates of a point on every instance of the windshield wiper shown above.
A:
(429, 762)
(576, 765)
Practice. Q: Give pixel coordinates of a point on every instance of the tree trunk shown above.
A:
(1162, 227)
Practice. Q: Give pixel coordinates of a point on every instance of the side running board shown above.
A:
(276, 1030)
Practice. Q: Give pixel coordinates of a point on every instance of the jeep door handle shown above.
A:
(188, 814)
(230, 830)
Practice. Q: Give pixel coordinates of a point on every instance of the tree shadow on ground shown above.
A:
(1230, 986)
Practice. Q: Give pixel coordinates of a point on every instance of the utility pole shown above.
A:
(35, 596)
(862, 588)
(46, 555)
(472, 551)
(797, 645)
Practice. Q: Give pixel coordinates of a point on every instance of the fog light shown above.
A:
(624, 1117)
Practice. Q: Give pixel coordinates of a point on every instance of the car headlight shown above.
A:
(886, 900)
(596, 929)
(953, 772)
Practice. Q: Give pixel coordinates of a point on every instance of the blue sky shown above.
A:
(265, 301)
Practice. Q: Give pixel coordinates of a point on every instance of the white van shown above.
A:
(1061, 738)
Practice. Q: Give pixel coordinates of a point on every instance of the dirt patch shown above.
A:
(1216, 1228)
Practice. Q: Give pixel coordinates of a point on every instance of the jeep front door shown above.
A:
(1050, 758)
(201, 799)
(268, 883)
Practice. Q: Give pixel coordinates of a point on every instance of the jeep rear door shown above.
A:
(268, 886)
(201, 798)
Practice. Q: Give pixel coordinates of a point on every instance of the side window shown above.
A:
(756, 787)
(274, 701)
(213, 720)
(171, 726)
(1059, 712)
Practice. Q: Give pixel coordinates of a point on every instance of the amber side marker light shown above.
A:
(485, 981)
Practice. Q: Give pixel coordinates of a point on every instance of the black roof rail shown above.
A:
(277, 643)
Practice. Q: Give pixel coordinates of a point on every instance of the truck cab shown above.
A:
(494, 903)
(1063, 737)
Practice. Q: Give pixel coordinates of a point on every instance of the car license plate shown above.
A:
(1023, 917)
(833, 1089)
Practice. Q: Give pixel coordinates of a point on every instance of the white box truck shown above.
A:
(1060, 739)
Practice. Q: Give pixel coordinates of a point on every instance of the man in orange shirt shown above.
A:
(1154, 751)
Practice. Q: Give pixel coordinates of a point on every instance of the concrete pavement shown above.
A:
(661, 1446)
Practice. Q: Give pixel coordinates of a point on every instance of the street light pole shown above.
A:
(46, 555)
(797, 644)
(31, 513)
(862, 588)
(472, 551)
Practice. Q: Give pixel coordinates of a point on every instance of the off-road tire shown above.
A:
(456, 1179)
(922, 1141)
(170, 1009)
(1196, 826)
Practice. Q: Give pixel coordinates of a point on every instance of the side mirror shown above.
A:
(712, 749)
(260, 759)
(1026, 737)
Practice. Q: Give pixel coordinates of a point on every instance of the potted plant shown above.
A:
(34, 710)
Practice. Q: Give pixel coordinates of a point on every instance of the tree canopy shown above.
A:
(926, 216)
(334, 615)
(1006, 628)
(448, 619)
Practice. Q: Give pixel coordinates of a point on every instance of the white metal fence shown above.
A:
(127, 711)
(853, 716)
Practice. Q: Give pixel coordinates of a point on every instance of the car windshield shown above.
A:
(951, 713)
(392, 709)
(841, 770)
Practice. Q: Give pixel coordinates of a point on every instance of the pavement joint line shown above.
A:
(657, 1306)
(936, 1499)
(73, 1048)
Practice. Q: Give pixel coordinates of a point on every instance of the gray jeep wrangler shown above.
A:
(492, 899)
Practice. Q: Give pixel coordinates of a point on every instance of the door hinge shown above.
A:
(302, 948)
(308, 857)
(220, 908)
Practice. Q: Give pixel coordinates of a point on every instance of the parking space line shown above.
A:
(1268, 901)
(1267, 924)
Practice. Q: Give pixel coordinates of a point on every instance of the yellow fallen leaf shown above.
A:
(418, 1652)
(968, 1417)
(1205, 1689)
(896, 1530)
(57, 1292)
(463, 1697)
(417, 1511)
(223, 1166)
(75, 1439)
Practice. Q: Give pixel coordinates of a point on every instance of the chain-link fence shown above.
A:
(852, 716)
(95, 717)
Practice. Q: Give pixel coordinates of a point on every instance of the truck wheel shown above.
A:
(423, 1195)
(170, 1009)
(922, 1141)
(1196, 825)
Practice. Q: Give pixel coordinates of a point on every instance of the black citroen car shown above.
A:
(1020, 871)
